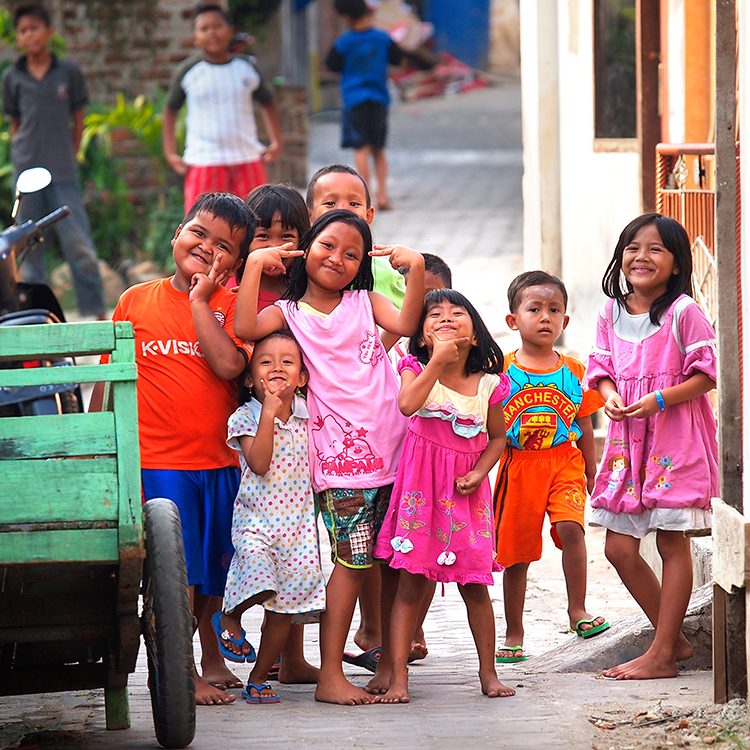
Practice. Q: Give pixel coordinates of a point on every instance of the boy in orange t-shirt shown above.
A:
(188, 358)
(549, 462)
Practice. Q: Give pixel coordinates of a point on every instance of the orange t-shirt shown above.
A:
(183, 407)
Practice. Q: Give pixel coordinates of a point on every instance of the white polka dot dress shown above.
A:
(274, 530)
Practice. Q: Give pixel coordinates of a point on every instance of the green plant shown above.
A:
(161, 223)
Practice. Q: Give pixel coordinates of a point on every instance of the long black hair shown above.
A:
(484, 356)
(675, 239)
(298, 270)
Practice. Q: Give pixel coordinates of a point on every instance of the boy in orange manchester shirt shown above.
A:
(549, 462)
(188, 357)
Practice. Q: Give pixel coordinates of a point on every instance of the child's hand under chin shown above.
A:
(202, 285)
(446, 351)
(275, 397)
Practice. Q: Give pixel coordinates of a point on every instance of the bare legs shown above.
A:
(664, 605)
(362, 164)
(574, 569)
(295, 669)
(514, 596)
(369, 634)
(341, 593)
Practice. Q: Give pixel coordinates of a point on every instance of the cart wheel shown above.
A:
(167, 625)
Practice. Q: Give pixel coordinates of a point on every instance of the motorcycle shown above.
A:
(31, 304)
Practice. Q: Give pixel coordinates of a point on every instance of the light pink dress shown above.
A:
(356, 428)
(659, 472)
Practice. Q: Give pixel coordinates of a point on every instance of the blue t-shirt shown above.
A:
(362, 58)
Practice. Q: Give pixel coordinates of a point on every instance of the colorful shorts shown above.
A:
(239, 179)
(529, 485)
(353, 518)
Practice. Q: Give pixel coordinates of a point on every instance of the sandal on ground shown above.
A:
(259, 697)
(510, 659)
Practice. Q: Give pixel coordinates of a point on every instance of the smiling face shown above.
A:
(196, 244)
(340, 190)
(276, 362)
(334, 257)
(540, 315)
(446, 320)
(273, 236)
(647, 264)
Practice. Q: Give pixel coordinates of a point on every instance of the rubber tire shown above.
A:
(167, 626)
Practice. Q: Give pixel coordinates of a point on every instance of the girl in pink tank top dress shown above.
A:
(439, 525)
(356, 430)
(654, 364)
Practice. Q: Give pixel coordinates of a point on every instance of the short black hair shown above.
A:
(676, 241)
(334, 169)
(230, 208)
(244, 394)
(485, 356)
(297, 284)
(435, 264)
(202, 8)
(533, 278)
(31, 9)
(354, 9)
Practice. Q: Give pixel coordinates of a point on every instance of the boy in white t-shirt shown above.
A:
(222, 150)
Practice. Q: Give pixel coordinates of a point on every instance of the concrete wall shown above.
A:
(598, 187)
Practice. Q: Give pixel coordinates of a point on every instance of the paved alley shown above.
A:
(456, 168)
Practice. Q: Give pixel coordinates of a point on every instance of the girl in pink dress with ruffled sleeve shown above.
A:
(439, 525)
(654, 364)
(356, 430)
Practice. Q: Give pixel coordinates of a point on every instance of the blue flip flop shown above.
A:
(258, 697)
(225, 635)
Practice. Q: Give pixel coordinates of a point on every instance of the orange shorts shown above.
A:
(530, 484)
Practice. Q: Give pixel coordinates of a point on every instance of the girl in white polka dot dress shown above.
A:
(276, 561)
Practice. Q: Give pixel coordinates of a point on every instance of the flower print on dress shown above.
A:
(411, 505)
(665, 461)
(447, 556)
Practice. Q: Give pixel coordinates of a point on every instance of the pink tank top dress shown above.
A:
(356, 428)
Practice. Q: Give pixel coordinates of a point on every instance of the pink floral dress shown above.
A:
(660, 472)
(430, 529)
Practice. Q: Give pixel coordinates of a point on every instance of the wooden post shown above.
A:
(648, 120)
(730, 663)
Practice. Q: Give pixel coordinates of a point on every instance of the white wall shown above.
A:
(599, 192)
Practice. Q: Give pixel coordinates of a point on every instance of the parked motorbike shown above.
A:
(24, 304)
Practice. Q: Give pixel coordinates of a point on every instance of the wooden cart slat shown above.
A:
(57, 435)
(65, 375)
(33, 342)
(66, 490)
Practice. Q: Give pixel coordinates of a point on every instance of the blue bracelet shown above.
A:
(660, 400)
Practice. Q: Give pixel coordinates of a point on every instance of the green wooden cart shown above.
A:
(77, 547)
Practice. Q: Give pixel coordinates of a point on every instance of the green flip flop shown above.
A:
(510, 659)
(593, 630)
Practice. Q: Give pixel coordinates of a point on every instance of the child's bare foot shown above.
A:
(398, 690)
(366, 639)
(683, 650)
(380, 681)
(298, 673)
(208, 695)
(220, 676)
(493, 688)
(418, 651)
(340, 690)
(649, 666)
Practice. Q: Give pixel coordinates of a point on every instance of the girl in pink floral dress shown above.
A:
(439, 524)
(654, 364)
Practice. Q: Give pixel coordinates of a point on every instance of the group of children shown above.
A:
(399, 473)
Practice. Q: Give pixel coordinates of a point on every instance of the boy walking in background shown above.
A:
(362, 57)
(549, 463)
(42, 98)
(188, 359)
(222, 151)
